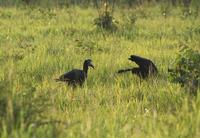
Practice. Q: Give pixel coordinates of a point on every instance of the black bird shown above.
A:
(145, 69)
(76, 76)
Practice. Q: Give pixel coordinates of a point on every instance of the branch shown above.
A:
(113, 6)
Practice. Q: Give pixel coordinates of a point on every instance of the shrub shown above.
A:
(165, 9)
(105, 19)
(186, 70)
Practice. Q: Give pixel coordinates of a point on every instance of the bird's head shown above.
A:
(132, 57)
(88, 63)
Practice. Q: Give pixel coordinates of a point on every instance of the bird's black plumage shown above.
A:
(145, 69)
(76, 76)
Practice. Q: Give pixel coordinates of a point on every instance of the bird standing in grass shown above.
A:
(145, 69)
(76, 76)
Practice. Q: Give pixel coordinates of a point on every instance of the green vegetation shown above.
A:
(39, 44)
(186, 70)
(105, 19)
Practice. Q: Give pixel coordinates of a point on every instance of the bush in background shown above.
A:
(186, 70)
(105, 19)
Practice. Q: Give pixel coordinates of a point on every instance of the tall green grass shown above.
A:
(37, 45)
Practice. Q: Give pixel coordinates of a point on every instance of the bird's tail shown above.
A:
(124, 70)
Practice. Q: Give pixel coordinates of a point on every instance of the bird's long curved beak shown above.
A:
(129, 58)
(91, 65)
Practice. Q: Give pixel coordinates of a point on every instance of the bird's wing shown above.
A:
(153, 67)
(124, 70)
(70, 76)
(142, 62)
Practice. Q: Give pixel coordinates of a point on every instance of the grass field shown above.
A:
(37, 45)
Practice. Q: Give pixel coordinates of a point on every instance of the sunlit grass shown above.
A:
(37, 45)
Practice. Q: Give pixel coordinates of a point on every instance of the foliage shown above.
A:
(87, 3)
(105, 19)
(186, 69)
(39, 44)
(165, 9)
(19, 110)
(132, 18)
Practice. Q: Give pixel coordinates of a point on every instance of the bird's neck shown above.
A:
(85, 69)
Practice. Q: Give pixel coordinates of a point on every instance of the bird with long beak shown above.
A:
(77, 76)
(145, 69)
